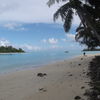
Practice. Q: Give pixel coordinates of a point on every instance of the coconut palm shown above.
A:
(85, 37)
(95, 3)
(68, 10)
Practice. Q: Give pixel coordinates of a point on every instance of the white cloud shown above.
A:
(50, 40)
(64, 39)
(11, 25)
(4, 42)
(56, 47)
(70, 36)
(27, 11)
(14, 26)
(53, 45)
(30, 47)
(53, 41)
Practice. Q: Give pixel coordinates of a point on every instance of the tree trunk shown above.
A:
(87, 22)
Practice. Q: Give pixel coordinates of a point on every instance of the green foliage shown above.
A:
(88, 32)
(50, 2)
(68, 20)
(10, 49)
(66, 13)
(85, 37)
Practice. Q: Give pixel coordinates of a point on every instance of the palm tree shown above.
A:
(84, 36)
(67, 11)
(95, 3)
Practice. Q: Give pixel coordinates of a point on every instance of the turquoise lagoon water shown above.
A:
(13, 62)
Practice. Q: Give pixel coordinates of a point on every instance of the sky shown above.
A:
(28, 24)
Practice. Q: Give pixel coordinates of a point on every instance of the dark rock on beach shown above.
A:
(42, 90)
(79, 64)
(82, 87)
(41, 74)
(81, 58)
(77, 98)
(71, 75)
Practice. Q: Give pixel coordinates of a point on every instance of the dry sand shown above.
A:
(64, 81)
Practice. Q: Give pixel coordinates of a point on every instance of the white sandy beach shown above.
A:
(65, 80)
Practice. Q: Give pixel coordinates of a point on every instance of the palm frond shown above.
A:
(84, 36)
(68, 20)
(51, 2)
(66, 13)
(79, 35)
(79, 27)
(62, 11)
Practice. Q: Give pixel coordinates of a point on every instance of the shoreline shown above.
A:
(34, 66)
(42, 65)
(12, 53)
(63, 80)
(37, 66)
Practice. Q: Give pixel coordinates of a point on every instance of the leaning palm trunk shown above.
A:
(85, 17)
(87, 21)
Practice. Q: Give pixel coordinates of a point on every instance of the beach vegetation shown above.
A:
(10, 49)
(85, 37)
(89, 29)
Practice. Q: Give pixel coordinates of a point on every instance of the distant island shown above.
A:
(10, 49)
(92, 49)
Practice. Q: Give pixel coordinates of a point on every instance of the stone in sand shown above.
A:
(79, 64)
(41, 74)
(81, 58)
(82, 87)
(42, 89)
(77, 98)
(71, 75)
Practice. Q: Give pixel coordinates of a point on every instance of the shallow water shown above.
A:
(13, 62)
